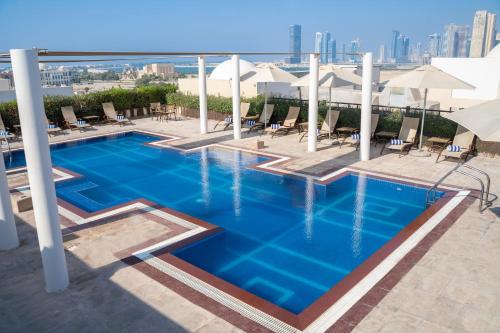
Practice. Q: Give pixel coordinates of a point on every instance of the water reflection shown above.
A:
(359, 203)
(205, 183)
(309, 208)
(236, 182)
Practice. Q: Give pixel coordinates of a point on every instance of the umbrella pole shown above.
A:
(265, 105)
(423, 121)
(330, 114)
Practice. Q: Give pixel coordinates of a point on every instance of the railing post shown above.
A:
(312, 136)
(202, 92)
(366, 108)
(236, 97)
(8, 232)
(36, 148)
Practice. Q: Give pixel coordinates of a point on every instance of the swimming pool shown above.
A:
(287, 240)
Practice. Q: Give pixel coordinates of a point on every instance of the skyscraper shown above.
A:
(454, 42)
(483, 33)
(381, 54)
(355, 48)
(295, 41)
(405, 49)
(333, 45)
(394, 45)
(343, 56)
(317, 42)
(434, 45)
(325, 47)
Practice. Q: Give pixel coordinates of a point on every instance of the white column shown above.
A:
(8, 232)
(366, 107)
(202, 92)
(39, 165)
(312, 136)
(236, 97)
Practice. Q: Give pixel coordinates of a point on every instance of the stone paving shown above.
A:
(455, 287)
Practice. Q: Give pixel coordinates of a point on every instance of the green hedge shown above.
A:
(91, 104)
(435, 125)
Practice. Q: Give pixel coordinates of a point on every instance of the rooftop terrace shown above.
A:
(449, 283)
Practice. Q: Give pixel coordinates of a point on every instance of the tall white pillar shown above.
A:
(236, 97)
(8, 232)
(202, 92)
(39, 165)
(312, 136)
(366, 107)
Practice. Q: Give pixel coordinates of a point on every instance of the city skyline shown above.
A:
(220, 25)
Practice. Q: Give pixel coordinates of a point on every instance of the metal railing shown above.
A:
(484, 196)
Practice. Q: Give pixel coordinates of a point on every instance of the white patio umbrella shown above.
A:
(331, 77)
(427, 77)
(268, 73)
(481, 119)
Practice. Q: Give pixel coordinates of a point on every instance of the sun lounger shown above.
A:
(287, 125)
(354, 139)
(71, 121)
(228, 120)
(264, 119)
(4, 132)
(111, 115)
(327, 127)
(462, 145)
(52, 128)
(406, 138)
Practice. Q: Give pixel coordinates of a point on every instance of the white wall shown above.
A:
(4, 84)
(9, 95)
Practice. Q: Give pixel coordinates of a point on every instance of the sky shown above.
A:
(222, 25)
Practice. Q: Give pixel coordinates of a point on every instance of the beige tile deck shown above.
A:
(455, 287)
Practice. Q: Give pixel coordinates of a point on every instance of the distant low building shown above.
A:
(56, 77)
(163, 70)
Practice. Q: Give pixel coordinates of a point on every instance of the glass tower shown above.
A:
(295, 37)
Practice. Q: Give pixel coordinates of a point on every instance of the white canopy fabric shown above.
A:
(331, 77)
(269, 73)
(428, 77)
(482, 119)
(224, 71)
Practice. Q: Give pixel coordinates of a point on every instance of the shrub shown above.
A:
(91, 104)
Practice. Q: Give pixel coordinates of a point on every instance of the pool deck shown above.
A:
(453, 287)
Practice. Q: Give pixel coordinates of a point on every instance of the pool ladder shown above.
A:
(471, 172)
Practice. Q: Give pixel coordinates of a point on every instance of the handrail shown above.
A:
(484, 200)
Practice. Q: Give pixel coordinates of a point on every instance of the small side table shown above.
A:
(437, 143)
(91, 119)
(345, 131)
(384, 136)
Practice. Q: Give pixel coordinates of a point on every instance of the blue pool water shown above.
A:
(285, 239)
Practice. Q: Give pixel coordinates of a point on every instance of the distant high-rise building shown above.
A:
(333, 45)
(454, 42)
(355, 48)
(295, 41)
(434, 47)
(405, 49)
(394, 44)
(381, 54)
(343, 55)
(483, 33)
(325, 47)
(416, 53)
(317, 42)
